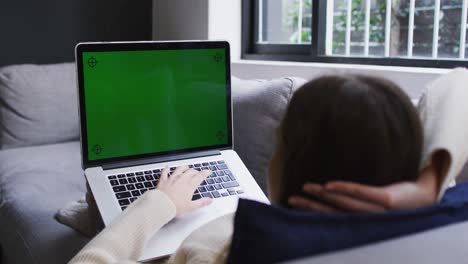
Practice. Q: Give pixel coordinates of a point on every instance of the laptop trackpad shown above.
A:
(169, 238)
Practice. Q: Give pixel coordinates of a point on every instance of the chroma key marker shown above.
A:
(92, 62)
(97, 149)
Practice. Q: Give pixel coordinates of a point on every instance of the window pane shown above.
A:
(377, 28)
(404, 23)
(285, 21)
(399, 25)
(466, 35)
(450, 26)
(339, 27)
(423, 28)
(357, 28)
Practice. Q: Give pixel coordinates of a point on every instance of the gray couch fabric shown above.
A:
(38, 105)
(437, 246)
(34, 183)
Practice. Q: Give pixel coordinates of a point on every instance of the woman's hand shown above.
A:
(181, 185)
(348, 196)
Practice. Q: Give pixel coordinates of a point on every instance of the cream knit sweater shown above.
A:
(444, 113)
(124, 239)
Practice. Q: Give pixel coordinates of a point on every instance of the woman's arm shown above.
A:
(124, 239)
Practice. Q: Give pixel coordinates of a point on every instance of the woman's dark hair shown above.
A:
(353, 128)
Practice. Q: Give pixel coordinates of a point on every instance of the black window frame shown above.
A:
(313, 52)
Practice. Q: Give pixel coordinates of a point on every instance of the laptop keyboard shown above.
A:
(221, 183)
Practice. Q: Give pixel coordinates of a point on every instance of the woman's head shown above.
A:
(353, 128)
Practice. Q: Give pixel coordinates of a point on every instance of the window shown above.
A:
(279, 22)
(425, 33)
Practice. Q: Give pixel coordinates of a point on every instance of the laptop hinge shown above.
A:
(123, 164)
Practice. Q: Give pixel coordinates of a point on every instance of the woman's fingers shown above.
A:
(183, 175)
(188, 175)
(402, 195)
(200, 203)
(200, 177)
(359, 197)
(164, 177)
(313, 188)
(193, 177)
(309, 205)
(345, 196)
(180, 187)
(177, 174)
(348, 203)
(179, 170)
(368, 194)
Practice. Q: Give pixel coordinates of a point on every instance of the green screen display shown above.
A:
(140, 102)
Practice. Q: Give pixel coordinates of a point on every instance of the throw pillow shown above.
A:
(38, 105)
(258, 107)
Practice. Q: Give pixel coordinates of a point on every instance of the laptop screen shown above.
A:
(154, 101)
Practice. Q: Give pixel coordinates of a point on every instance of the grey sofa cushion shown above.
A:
(258, 107)
(38, 105)
(34, 183)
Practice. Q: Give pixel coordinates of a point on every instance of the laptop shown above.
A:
(147, 105)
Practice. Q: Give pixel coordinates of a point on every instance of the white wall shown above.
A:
(199, 19)
(225, 23)
(180, 19)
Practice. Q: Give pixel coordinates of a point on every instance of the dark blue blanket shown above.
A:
(269, 234)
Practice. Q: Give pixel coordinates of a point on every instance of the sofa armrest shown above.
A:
(441, 245)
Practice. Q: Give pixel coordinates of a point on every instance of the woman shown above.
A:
(351, 128)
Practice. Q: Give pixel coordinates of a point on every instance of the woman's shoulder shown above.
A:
(207, 244)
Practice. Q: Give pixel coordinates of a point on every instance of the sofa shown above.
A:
(40, 162)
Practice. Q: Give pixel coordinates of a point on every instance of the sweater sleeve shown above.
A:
(124, 239)
(444, 114)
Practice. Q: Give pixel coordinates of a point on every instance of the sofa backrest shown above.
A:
(39, 106)
(258, 107)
